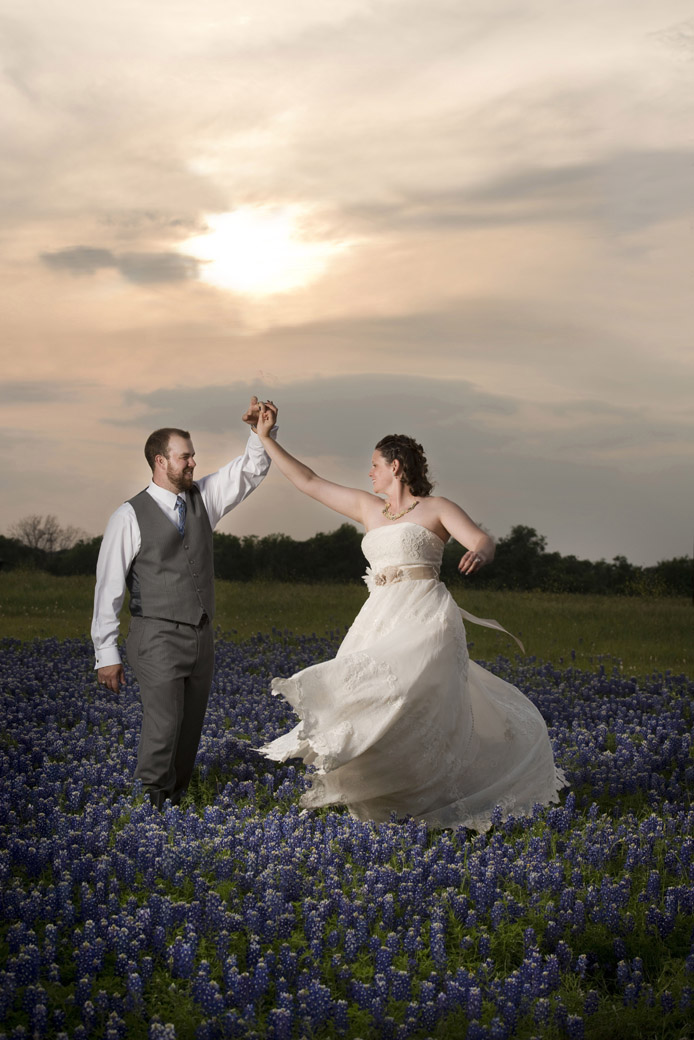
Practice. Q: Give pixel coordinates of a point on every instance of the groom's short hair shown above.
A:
(158, 443)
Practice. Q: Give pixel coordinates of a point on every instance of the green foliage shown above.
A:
(14, 553)
(80, 559)
(277, 557)
(521, 562)
(635, 634)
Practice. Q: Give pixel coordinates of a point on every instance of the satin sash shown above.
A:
(423, 572)
(490, 623)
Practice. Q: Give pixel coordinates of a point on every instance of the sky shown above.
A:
(470, 221)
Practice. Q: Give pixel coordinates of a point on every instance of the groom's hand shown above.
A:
(112, 676)
(251, 414)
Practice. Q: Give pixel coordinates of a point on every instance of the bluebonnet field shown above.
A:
(237, 916)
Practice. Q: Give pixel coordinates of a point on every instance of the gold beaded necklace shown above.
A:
(396, 516)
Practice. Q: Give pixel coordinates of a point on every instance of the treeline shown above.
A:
(521, 562)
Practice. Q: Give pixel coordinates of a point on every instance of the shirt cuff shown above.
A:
(107, 656)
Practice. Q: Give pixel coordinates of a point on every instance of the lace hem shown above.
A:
(455, 815)
(326, 748)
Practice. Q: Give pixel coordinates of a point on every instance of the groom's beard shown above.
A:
(181, 481)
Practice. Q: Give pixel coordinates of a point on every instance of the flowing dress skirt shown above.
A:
(402, 721)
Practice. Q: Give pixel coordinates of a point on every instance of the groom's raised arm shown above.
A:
(229, 486)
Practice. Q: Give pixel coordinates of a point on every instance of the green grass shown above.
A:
(637, 634)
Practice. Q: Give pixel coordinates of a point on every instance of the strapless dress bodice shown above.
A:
(402, 544)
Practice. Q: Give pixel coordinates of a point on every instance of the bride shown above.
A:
(401, 720)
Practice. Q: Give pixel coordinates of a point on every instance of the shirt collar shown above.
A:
(167, 498)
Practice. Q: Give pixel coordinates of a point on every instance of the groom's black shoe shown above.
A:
(157, 798)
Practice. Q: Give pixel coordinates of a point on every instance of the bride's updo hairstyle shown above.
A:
(410, 455)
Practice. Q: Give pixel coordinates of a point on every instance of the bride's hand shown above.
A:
(266, 418)
(471, 562)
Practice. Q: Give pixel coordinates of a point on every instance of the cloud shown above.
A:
(573, 470)
(138, 268)
(678, 38)
(549, 350)
(626, 191)
(79, 260)
(143, 268)
(493, 160)
(21, 391)
(351, 412)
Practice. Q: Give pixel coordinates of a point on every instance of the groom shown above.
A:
(159, 546)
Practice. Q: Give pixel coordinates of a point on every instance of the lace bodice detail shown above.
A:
(399, 544)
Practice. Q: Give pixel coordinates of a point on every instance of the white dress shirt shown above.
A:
(220, 491)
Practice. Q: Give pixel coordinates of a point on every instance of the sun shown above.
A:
(260, 250)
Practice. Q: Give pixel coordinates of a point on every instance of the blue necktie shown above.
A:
(181, 507)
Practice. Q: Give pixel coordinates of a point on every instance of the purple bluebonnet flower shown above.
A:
(297, 909)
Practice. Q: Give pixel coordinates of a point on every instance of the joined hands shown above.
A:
(267, 416)
(260, 412)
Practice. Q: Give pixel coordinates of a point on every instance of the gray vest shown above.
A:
(172, 577)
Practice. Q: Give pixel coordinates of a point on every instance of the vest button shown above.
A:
(185, 546)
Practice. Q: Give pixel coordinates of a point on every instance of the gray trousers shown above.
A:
(173, 664)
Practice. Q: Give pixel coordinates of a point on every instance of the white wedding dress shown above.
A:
(401, 720)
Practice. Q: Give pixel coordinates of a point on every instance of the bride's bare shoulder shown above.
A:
(446, 512)
(446, 504)
(437, 503)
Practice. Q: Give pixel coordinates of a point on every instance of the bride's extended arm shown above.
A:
(480, 546)
(351, 502)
